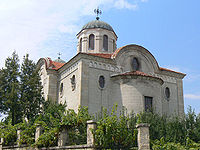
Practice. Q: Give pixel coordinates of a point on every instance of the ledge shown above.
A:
(142, 125)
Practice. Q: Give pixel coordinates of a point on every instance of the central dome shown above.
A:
(97, 24)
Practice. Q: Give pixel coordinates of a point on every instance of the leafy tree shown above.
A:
(31, 97)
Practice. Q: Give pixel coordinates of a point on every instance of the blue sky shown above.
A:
(169, 29)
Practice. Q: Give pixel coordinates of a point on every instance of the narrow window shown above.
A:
(105, 43)
(91, 42)
(73, 82)
(80, 47)
(61, 89)
(167, 92)
(148, 101)
(135, 64)
(101, 82)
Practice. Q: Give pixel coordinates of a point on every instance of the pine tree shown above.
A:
(9, 86)
(30, 89)
(1, 92)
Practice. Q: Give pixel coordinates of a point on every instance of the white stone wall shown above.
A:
(53, 85)
(132, 92)
(127, 91)
(45, 80)
(70, 96)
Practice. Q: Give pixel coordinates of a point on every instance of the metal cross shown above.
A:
(98, 12)
(59, 54)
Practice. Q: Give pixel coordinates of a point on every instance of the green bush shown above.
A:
(115, 130)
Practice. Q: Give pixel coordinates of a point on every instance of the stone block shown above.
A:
(91, 125)
(143, 136)
(38, 132)
(63, 137)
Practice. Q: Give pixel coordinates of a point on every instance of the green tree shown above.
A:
(30, 89)
(20, 92)
(10, 88)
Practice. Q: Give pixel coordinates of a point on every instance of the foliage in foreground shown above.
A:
(114, 130)
(163, 145)
(52, 120)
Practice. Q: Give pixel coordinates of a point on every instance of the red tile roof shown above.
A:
(165, 69)
(115, 53)
(56, 65)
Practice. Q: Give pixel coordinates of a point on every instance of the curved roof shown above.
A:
(97, 24)
(122, 49)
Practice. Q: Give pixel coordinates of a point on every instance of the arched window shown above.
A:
(80, 46)
(61, 89)
(167, 92)
(101, 82)
(91, 42)
(73, 82)
(113, 45)
(105, 42)
(135, 64)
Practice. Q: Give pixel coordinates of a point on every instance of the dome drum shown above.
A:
(103, 41)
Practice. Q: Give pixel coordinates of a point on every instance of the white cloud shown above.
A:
(144, 0)
(43, 28)
(192, 96)
(120, 4)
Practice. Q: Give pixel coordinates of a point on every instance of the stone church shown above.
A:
(102, 75)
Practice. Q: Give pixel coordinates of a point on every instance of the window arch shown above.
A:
(105, 42)
(135, 64)
(91, 42)
(80, 46)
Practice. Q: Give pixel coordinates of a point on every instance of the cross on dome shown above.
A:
(59, 54)
(98, 12)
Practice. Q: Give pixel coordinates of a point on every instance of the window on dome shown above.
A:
(91, 42)
(135, 64)
(80, 47)
(105, 42)
(113, 45)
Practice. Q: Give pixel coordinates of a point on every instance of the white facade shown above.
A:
(128, 76)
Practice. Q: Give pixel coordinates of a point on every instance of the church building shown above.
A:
(102, 75)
